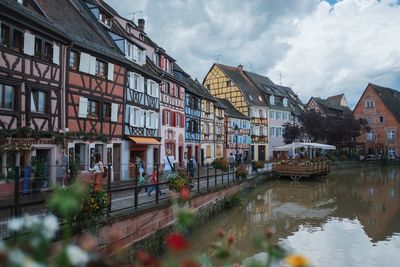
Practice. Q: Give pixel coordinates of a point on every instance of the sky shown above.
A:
(319, 48)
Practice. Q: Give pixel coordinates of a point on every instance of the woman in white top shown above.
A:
(98, 166)
(169, 166)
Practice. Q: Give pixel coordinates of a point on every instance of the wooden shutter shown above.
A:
(143, 57)
(141, 84)
(29, 44)
(92, 65)
(162, 62)
(114, 112)
(156, 120)
(163, 117)
(84, 63)
(83, 102)
(148, 114)
(149, 91)
(131, 116)
(182, 120)
(126, 48)
(110, 72)
(56, 54)
(141, 121)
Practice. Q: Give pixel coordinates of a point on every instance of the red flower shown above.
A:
(176, 242)
(188, 262)
(185, 193)
(220, 232)
(147, 260)
(231, 239)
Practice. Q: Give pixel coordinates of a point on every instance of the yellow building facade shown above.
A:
(231, 83)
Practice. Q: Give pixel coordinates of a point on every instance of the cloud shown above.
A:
(321, 48)
(341, 47)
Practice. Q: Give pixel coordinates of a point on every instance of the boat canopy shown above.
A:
(297, 145)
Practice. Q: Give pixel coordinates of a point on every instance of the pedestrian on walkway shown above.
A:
(232, 161)
(169, 166)
(140, 170)
(154, 181)
(191, 166)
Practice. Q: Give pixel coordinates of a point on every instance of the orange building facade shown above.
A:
(380, 107)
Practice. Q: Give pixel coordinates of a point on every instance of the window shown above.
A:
(278, 131)
(38, 101)
(6, 96)
(208, 106)
(207, 130)
(272, 100)
(272, 114)
(251, 97)
(261, 130)
(381, 119)
(101, 69)
(48, 51)
(43, 49)
(369, 103)
(152, 88)
(107, 111)
(285, 116)
(278, 115)
(38, 47)
(285, 102)
(11, 38)
(93, 108)
(391, 135)
(391, 152)
(177, 120)
(369, 120)
(74, 60)
(228, 83)
(272, 131)
(134, 119)
(370, 136)
(260, 98)
(152, 120)
(167, 118)
(104, 19)
(260, 113)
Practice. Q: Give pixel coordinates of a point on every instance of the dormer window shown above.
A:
(272, 100)
(260, 98)
(129, 28)
(106, 20)
(285, 102)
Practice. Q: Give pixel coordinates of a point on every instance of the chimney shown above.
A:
(141, 23)
(240, 68)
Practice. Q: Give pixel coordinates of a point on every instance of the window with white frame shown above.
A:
(262, 131)
(136, 82)
(370, 120)
(278, 131)
(272, 100)
(369, 103)
(136, 117)
(272, 114)
(272, 131)
(370, 136)
(391, 152)
(153, 89)
(285, 115)
(278, 115)
(391, 135)
(285, 102)
(152, 120)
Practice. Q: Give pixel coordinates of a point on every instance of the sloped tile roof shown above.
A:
(391, 99)
(335, 99)
(230, 110)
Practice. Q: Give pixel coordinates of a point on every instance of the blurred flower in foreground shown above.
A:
(176, 242)
(297, 261)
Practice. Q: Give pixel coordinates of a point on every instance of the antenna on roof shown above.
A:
(280, 76)
(217, 58)
(252, 69)
(133, 14)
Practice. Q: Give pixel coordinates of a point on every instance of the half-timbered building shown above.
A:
(234, 84)
(95, 80)
(237, 134)
(142, 90)
(219, 130)
(31, 94)
(193, 120)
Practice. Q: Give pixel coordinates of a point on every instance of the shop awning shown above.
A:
(145, 140)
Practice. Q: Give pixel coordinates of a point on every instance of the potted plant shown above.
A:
(221, 164)
(178, 180)
(241, 172)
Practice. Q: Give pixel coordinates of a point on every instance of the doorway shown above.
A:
(43, 156)
(180, 155)
(202, 156)
(116, 161)
(189, 151)
(261, 153)
(196, 153)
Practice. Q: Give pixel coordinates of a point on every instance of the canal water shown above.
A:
(349, 218)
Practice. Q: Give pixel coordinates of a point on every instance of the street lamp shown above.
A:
(236, 129)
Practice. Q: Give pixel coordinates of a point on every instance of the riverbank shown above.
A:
(207, 205)
(357, 163)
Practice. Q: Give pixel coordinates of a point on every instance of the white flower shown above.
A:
(76, 256)
(30, 221)
(50, 226)
(28, 262)
(15, 224)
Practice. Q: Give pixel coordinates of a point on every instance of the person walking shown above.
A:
(140, 170)
(191, 166)
(232, 161)
(98, 170)
(154, 181)
(169, 166)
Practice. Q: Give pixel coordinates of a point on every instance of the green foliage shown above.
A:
(233, 200)
(221, 164)
(38, 168)
(259, 164)
(178, 180)
(241, 172)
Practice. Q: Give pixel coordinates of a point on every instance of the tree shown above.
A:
(291, 133)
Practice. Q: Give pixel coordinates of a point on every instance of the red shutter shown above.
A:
(171, 88)
(177, 91)
(182, 121)
(162, 62)
(173, 120)
(164, 117)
